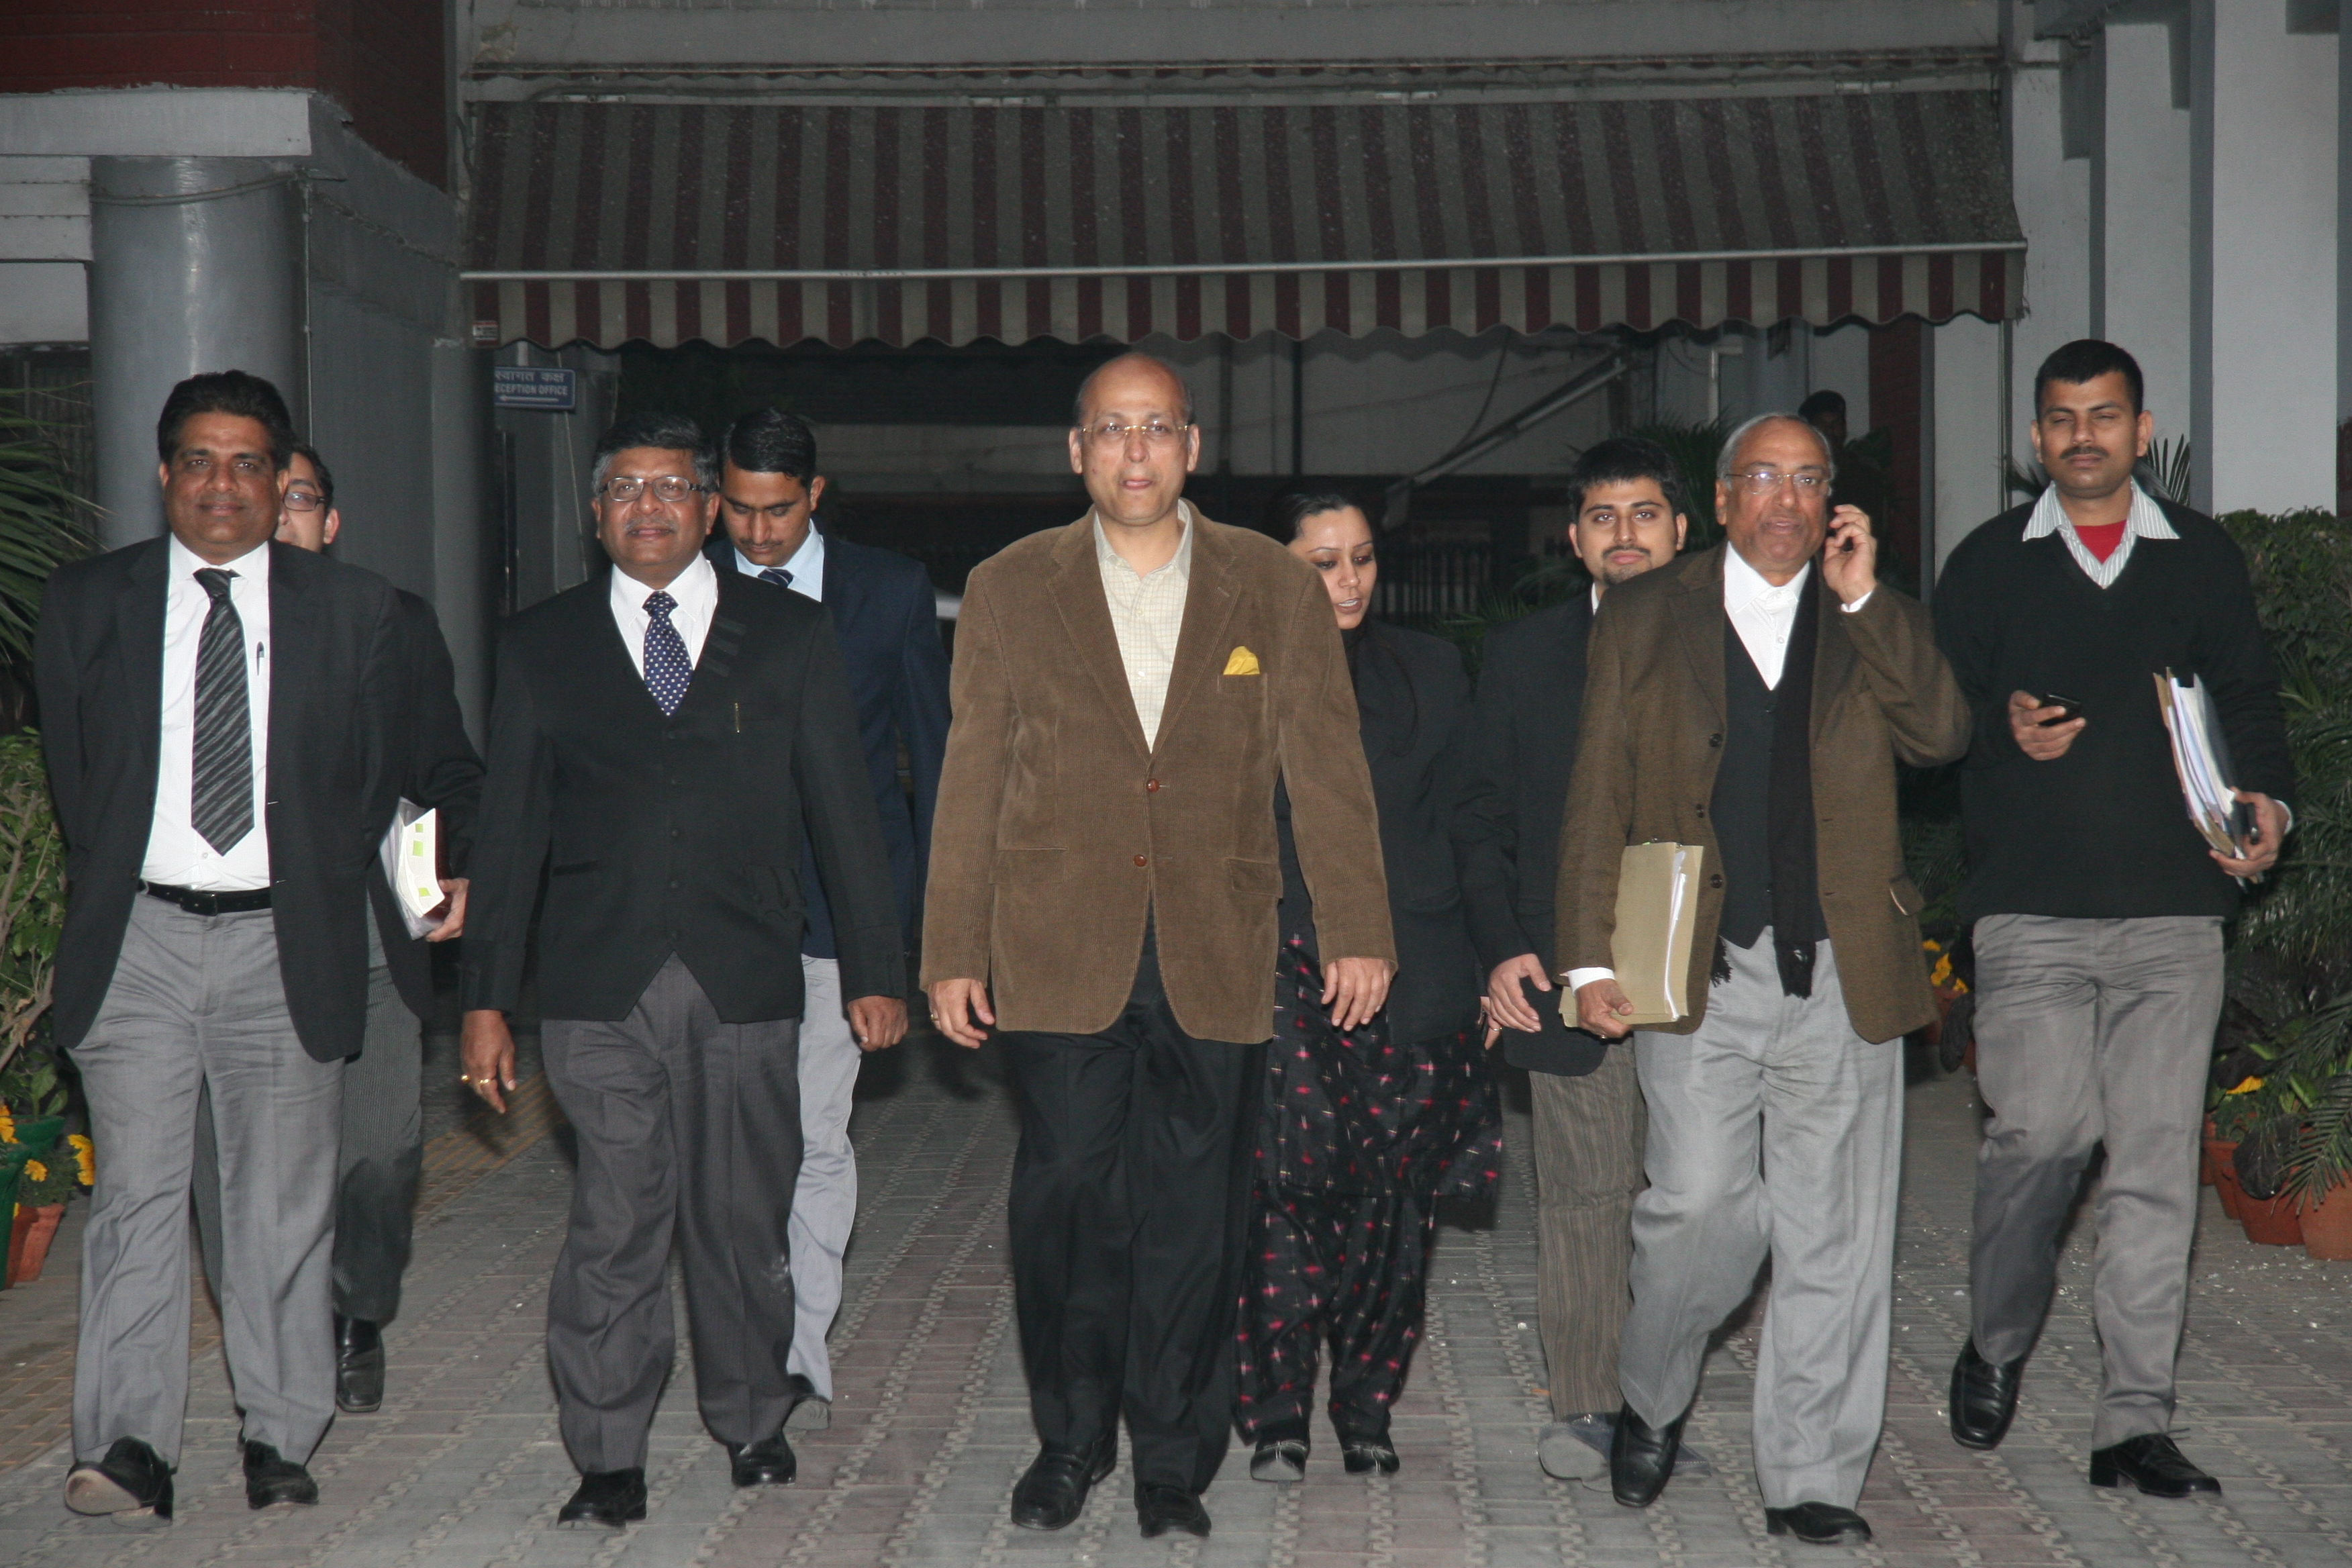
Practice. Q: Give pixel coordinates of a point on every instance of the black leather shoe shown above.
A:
(1160, 1510)
(132, 1482)
(271, 1478)
(608, 1497)
(1641, 1458)
(1280, 1459)
(1984, 1398)
(1362, 1456)
(1053, 1490)
(1819, 1524)
(766, 1463)
(2153, 1463)
(359, 1365)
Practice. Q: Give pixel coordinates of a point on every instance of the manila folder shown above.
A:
(1657, 908)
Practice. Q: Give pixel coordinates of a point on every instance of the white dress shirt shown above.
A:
(2146, 520)
(1763, 616)
(1147, 612)
(177, 854)
(807, 566)
(695, 589)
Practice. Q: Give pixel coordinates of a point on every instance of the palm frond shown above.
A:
(43, 524)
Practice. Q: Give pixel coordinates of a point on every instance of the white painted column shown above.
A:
(1966, 486)
(2263, 236)
(2143, 294)
(2053, 204)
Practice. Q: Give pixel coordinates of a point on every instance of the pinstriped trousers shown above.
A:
(1588, 1137)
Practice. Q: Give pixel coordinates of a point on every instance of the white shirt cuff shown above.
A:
(1855, 607)
(1578, 979)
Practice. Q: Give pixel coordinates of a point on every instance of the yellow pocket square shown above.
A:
(1241, 661)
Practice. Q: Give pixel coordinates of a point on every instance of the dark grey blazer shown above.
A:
(336, 677)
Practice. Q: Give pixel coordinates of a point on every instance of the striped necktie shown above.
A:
(777, 576)
(668, 672)
(221, 779)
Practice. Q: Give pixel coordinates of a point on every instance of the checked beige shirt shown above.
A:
(1147, 612)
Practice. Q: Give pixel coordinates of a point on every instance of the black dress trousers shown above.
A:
(1129, 1213)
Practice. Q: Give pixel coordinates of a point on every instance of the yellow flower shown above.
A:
(2247, 1086)
(7, 1126)
(86, 1157)
(35, 1171)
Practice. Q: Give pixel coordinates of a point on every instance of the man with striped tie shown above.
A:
(662, 738)
(220, 716)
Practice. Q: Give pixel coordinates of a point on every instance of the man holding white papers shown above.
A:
(1729, 705)
(2097, 904)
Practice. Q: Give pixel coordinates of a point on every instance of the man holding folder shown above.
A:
(1731, 707)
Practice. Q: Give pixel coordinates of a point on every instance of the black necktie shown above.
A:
(777, 576)
(221, 781)
(668, 672)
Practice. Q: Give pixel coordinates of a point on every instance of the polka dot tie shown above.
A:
(668, 672)
(777, 576)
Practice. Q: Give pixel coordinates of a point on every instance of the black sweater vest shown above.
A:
(1741, 809)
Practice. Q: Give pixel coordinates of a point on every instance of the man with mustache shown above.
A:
(1753, 700)
(661, 738)
(1630, 519)
(2097, 907)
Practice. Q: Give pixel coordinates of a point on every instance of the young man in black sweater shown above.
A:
(2097, 907)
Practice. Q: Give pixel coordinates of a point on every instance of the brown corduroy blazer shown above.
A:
(1058, 829)
(1652, 735)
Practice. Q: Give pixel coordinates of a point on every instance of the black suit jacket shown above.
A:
(335, 652)
(1413, 710)
(439, 771)
(1521, 749)
(886, 617)
(678, 834)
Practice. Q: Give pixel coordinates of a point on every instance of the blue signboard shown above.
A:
(551, 390)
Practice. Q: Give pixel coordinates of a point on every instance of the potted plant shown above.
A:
(35, 1171)
(2284, 1077)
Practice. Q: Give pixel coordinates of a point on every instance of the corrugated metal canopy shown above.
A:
(613, 222)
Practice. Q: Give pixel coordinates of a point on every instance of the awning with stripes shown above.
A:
(609, 223)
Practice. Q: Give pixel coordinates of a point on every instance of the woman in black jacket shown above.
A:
(1364, 1130)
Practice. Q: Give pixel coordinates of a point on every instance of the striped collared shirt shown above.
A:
(1146, 611)
(2145, 521)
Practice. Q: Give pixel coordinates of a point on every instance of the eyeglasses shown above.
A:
(1764, 482)
(668, 488)
(304, 500)
(1155, 433)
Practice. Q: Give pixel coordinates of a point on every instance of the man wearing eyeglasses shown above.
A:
(661, 739)
(1104, 879)
(1753, 700)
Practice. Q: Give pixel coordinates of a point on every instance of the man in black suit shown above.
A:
(1629, 517)
(381, 1145)
(218, 712)
(659, 737)
(886, 617)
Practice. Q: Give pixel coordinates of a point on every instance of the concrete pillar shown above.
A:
(196, 265)
(2053, 203)
(463, 532)
(1966, 486)
(2141, 292)
(2263, 371)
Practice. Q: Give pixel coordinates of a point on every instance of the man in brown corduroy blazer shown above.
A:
(1103, 882)
(1754, 699)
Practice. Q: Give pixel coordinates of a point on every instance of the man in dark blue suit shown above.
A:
(885, 616)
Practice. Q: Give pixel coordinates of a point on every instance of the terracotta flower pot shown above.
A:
(2222, 1160)
(28, 1241)
(2270, 1222)
(2327, 1223)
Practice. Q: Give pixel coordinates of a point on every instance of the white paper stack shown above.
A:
(2201, 757)
(412, 864)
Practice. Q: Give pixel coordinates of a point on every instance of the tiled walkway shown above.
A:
(462, 1467)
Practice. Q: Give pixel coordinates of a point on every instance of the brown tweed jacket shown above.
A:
(1057, 828)
(1653, 735)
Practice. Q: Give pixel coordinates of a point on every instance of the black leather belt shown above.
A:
(205, 901)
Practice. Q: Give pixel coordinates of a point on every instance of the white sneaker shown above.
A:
(1576, 1450)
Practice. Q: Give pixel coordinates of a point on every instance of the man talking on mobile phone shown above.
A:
(2097, 906)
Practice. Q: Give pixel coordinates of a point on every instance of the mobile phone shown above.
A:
(2073, 708)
